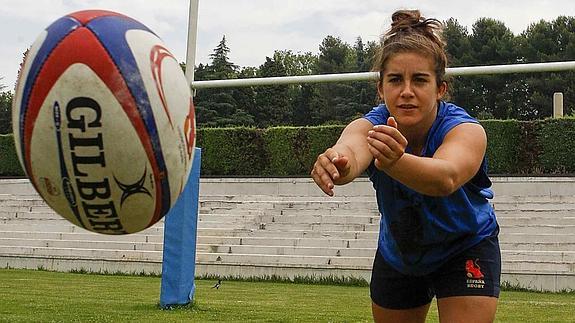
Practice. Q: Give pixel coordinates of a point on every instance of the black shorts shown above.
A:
(474, 272)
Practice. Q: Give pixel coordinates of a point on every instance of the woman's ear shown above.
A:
(380, 90)
(442, 90)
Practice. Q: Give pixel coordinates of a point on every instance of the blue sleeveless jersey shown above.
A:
(418, 233)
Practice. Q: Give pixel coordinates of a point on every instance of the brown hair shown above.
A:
(410, 32)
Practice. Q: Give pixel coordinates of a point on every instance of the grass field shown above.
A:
(42, 296)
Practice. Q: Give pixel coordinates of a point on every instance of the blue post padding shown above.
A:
(180, 230)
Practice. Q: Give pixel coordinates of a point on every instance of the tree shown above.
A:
(296, 64)
(245, 98)
(365, 93)
(546, 42)
(5, 112)
(495, 95)
(459, 53)
(299, 96)
(458, 43)
(206, 115)
(549, 41)
(272, 103)
(492, 43)
(360, 59)
(221, 66)
(335, 56)
(222, 107)
(304, 103)
(336, 101)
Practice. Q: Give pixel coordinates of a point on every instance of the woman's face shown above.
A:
(409, 89)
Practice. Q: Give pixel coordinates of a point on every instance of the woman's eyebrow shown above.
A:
(416, 74)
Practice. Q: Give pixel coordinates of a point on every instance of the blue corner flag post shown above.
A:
(180, 230)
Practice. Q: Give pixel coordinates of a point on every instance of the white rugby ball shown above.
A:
(104, 122)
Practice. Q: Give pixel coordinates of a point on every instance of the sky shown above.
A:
(255, 28)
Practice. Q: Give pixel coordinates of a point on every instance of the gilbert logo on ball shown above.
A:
(104, 122)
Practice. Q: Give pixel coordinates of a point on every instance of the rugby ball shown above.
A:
(104, 122)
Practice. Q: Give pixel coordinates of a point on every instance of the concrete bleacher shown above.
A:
(286, 227)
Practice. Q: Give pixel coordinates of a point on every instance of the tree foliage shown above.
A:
(489, 42)
(511, 96)
(5, 112)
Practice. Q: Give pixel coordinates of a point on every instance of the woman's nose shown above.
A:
(407, 90)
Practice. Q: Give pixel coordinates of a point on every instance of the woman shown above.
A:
(426, 159)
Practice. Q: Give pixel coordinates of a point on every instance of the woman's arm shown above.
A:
(454, 163)
(346, 160)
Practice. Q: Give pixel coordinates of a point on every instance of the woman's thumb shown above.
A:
(391, 122)
(341, 163)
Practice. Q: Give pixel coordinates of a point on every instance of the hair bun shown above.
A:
(411, 21)
(403, 19)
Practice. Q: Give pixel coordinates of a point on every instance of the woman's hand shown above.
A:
(329, 167)
(386, 144)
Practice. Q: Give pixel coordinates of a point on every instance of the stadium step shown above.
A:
(537, 267)
(535, 221)
(81, 253)
(537, 246)
(285, 260)
(523, 237)
(286, 250)
(81, 244)
(538, 229)
(140, 237)
(289, 242)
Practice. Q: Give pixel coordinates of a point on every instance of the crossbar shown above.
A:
(373, 76)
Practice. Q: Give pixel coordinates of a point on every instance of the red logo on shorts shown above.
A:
(473, 269)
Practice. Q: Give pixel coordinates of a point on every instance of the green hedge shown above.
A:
(502, 148)
(292, 150)
(514, 148)
(231, 151)
(9, 164)
(556, 146)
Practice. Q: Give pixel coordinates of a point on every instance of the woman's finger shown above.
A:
(392, 132)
